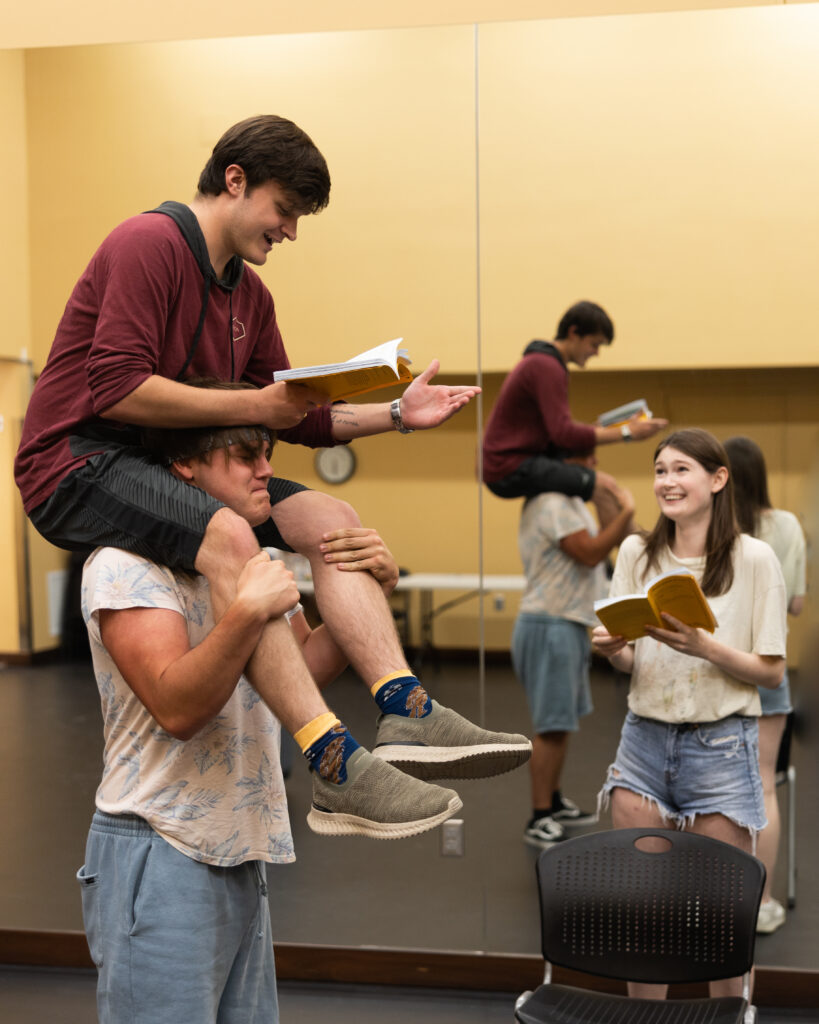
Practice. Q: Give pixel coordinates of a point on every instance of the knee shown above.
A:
(311, 514)
(228, 542)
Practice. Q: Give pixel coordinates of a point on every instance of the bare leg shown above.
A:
(276, 670)
(548, 754)
(352, 605)
(438, 744)
(771, 728)
(717, 826)
(630, 810)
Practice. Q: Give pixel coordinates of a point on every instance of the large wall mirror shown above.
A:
(483, 179)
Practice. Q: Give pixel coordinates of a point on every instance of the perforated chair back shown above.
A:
(687, 913)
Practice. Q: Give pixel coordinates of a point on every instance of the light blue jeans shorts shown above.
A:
(174, 941)
(692, 769)
(551, 657)
(778, 701)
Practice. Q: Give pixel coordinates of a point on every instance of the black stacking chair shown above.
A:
(648, 905)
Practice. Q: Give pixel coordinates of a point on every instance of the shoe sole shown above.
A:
(325, 823)
(770, 928)
(586, 819)
(542, 844)
(473, 762)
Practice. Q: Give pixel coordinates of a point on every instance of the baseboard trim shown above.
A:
(492, 972)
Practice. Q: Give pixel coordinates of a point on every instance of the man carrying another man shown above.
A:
(167, 296)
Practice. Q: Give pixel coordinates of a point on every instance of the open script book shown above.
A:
(623, 413)
(378, 367)
(676, 592)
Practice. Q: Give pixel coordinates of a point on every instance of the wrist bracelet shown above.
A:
(398, 423)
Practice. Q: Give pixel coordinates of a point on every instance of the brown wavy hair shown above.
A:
(723, 531)
(270, 148)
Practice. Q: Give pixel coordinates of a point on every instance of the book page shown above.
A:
(626, 616)
(680, 595)
(386, 352)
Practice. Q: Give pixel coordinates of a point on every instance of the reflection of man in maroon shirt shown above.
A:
(531, 430)
(168, 296)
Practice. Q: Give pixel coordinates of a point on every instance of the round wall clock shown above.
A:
(335, 465)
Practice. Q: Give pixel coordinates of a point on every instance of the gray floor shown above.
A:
(340, 891)
(67, 997)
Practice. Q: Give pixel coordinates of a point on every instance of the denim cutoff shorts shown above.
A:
(692, 769)
(778, 701)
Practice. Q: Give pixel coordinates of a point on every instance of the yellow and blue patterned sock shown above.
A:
(400, 693)
(326, 744)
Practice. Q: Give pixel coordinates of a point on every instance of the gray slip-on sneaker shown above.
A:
(378, 801)
(444, 745)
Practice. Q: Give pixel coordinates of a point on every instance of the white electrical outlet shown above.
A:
(452, 838)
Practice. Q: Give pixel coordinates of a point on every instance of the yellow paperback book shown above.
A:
(379, 367)
(676, 592)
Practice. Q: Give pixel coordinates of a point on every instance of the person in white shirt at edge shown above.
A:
(563, 553)
(782, 530)
(688, 754)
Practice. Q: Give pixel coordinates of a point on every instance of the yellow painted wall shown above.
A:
(393, 254)
(19, 630)
(53, 23)
(664, 165)
(14, 253)
(115, 129)
(14, 613)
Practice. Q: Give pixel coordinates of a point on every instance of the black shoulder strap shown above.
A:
(185, 219)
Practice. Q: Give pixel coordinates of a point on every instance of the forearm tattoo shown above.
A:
(344, 414)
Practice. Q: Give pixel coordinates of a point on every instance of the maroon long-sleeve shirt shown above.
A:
(133, 314)
(531, 415)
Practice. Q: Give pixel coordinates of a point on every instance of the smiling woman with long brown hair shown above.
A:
(688, 755)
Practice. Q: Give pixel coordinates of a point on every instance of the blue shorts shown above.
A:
(778, 701)
(692, 769)
(174, 940)
(551, 658)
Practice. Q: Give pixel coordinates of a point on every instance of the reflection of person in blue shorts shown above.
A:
(563, 554)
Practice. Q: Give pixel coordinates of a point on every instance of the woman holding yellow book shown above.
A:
(688, 753)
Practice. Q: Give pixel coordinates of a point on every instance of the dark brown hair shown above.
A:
(586, 318)
(750, 482)
(270, 148)
(722, 534)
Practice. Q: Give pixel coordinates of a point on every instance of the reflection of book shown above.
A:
(676, 592)
(623, 413)
(376, 368)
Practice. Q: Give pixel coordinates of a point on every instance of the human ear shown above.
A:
(719, 480)
(182, 469)
(235, 180)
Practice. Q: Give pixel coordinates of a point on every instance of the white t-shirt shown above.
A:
(783, 531)
(673, 687)
(218, 797)
(557, 584)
